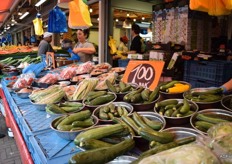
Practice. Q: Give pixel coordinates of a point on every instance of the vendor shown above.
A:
(136, 44)
(44, 45)
(83, 48)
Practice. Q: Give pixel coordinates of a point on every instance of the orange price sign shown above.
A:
(143, 73)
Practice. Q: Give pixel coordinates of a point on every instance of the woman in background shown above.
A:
(83, 48)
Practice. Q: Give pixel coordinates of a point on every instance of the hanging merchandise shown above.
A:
(38, 25)
(112, 45)
(9, 38)
(213, 7)
(68, 35)
(79, 16)
(57, 21)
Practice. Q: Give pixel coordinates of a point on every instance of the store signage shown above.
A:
(143, 73)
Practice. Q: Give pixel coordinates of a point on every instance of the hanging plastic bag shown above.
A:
(57, 21)
(228, 4)
(217, 8)
(112, 44)
(38, 25)
(199, 5)
(79, 16)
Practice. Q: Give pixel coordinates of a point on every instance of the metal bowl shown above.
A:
(64, 83)
(181, 132)
(145, 107)
(123, 104)
(41, 85)
(39, 106)
(212, 112)
(51, 114)
(204, 105)
(165, 95)
(180, 120)
(119, 70)
(124, 159)
(67, 135)
(92, 107)
(225, 102)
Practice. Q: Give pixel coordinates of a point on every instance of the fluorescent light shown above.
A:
(145, 22)
(39, 3)
(90, 10)
(116, 20)
(24, 15)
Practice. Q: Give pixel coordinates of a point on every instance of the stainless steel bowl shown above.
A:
(181, 132)
(92, 107)
(67, 135)
(39, 106)
(122, 104)
(145, 107)
(124, 159)
(225, 102)
(165, 95)
(180, 120)
(219, 112)
(204, 105)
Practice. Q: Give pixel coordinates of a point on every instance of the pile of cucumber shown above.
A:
(108, 112)
(174, 108)
(64, 108)
(99, 98)
(209, 95)
(205, 121)
(74, 122)
(120, 88)
(141, 95)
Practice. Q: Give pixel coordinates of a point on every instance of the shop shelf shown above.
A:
(198, 83)
(123, 62)
(219, 71)
(52, 149)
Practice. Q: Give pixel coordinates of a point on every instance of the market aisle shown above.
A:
(9, 153)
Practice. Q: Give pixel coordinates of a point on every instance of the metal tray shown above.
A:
(225, 102)
(221, 112)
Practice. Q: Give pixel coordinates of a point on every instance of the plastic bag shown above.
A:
(24, 80)
(84, 68)
(57, 21)
(73, 55)
(79, 16)
(49, 78)
(35, 68)
(67, 73)
(112, 45)
(38, 25)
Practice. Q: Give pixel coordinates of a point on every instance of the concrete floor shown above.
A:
(9, 153)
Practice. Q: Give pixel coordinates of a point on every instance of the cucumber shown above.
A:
(98, 133)
(111, 86)
(59, 121)
(203, 124)
(145, 94)
(185, 108)
(70, 109)
(130, 122)
(162, 110)
(64, 127)
(162, 137)
(86, 123)
(165, 103)
(80, 116)
(55, 109)
(103, 116)
(126, 89)
(138, 120)
(122, 85)
(89, 144)
(120, 110)
(168, 85)
(136, 98)
(154, 94)
(102, 99)
(95, 95)
(102, 155)
(202, 117)
(156, 125)
(119, 121)
(71, 104)
(211, 91)
(125, 111)
(168, 113)
(171, 106)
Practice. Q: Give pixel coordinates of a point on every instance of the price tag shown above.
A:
(143, 73)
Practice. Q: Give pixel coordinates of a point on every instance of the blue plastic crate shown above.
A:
(52, 149)
(198, 83)
(123, 62)
(219, 71)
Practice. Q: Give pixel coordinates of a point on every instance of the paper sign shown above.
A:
(143, 73)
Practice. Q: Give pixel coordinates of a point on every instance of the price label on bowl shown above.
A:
(143, 73)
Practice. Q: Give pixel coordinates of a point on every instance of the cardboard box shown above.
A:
(61, 63)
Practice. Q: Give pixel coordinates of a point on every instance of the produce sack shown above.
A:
(38, 25)
(79, 16)
(57, 21)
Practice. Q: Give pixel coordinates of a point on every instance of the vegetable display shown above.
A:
(62, 108)
(99, 97)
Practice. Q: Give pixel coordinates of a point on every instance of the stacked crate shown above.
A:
(207, 73)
